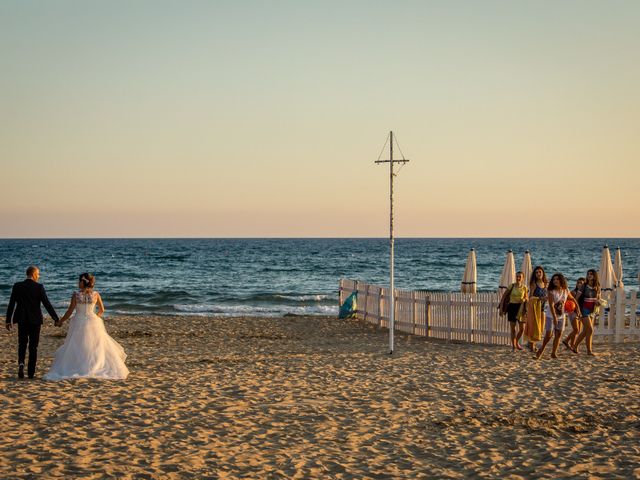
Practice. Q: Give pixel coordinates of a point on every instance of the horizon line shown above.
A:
(324, 238)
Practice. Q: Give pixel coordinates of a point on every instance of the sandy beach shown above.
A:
(315, 397)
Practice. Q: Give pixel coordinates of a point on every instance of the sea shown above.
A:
(275, 277)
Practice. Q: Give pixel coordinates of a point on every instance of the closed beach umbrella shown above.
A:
(617, 267)
(508, 272)
(606, 273)
(526, 267)
(470, 276)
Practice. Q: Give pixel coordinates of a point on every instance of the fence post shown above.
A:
(450, 316)
(620, 314)
(427, 314)
(470, 325)
(413, 312)
(492, 309)
(366, 300)
(380, 295)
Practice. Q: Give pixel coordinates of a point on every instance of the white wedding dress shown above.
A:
(88, 351)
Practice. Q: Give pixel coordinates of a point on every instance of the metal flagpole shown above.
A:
(392, 312)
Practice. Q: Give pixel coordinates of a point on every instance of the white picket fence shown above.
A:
(472, 317)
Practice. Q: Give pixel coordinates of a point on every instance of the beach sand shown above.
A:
(319, 398)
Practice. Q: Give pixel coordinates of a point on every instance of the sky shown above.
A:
(264, 119)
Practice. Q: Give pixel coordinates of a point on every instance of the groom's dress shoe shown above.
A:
(21, 371)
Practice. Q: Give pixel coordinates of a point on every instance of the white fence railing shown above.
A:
(472, 317)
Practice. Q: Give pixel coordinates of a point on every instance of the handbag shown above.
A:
(504, 301)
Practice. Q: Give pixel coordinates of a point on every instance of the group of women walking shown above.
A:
(539, 309)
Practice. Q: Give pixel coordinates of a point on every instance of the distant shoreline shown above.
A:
(323, 238)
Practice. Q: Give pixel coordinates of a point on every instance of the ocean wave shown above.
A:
(285, 298)
(276, 269)
(134, 312)
(133, 307)
(245, 310)
(196, 307)
(176, 257)
(158, 297)
(306, 298)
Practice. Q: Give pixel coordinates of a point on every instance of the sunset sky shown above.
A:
(264, 119)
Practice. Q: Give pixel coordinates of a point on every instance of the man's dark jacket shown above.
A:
(26, 297)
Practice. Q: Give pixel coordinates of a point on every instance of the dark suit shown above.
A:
(24, 309)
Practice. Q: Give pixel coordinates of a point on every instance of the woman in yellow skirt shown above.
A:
(535, 307)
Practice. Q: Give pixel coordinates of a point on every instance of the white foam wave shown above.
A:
(254, 310)
(305, 298)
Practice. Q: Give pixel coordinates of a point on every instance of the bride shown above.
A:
(88, 351)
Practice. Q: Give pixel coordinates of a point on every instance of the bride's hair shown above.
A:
(87, 280)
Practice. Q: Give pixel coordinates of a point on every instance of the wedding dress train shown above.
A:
(88, 351)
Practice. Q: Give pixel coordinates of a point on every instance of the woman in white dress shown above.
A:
(557, 295)
(88, 351)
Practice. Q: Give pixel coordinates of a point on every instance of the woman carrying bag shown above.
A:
(513, 305)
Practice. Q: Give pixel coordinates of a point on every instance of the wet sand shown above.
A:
(313, 397)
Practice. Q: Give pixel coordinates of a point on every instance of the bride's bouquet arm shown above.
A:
(67, 314)
(100, 304)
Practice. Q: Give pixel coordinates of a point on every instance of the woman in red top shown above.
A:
(569, 342)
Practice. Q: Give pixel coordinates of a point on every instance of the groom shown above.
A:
(26, 297)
